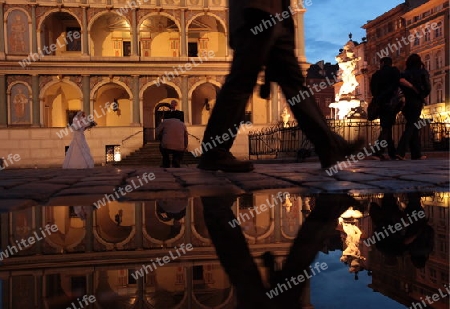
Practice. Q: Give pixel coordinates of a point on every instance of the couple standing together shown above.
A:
(415, 85)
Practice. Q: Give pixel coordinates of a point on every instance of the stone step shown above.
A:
(149, 154)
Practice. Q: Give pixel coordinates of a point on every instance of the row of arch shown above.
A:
(113, 228)
(61, 95)
(111, 33)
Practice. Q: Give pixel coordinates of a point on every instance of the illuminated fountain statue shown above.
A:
(285, 117)
(351, 256)
(346, 100)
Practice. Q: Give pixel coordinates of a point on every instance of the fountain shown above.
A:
(345, 100)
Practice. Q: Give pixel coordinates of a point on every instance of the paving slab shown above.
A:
(55, 186)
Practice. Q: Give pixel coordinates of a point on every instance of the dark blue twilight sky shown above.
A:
(328, 23)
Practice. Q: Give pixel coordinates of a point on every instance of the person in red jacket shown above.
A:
(173, 135)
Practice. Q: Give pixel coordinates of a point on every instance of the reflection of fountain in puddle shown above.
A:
(351, 255)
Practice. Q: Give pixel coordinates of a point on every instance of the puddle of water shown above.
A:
(207, 252)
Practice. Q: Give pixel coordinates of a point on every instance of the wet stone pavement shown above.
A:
(189, 239)
(55, 186)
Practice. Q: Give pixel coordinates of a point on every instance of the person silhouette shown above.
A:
(236, 259)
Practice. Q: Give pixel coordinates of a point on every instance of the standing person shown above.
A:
(271, 46)
(173, 135)
(174, 113)
(79, 155)
(383, 85)
(415, 83)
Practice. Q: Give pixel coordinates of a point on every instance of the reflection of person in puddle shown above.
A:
(81, 211)
(236, 259)
(416, 237)
(172, 211)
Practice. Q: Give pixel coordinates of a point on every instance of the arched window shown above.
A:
(427, 37)
(438, 30)
(439, 93)
(427, 60)
(438, 60)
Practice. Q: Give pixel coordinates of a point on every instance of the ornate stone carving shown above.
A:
(176, 81)
(127, 80)
(77, 80)
(176, 14)
(222, 15)
(78, 12)
(193, 80)
(94, 80)
(19, 78)
(40, 11)
(190, 14)
(142, 12)
(221, 79)
(92, 12)
(44, 80)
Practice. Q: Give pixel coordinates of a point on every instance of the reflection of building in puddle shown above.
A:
(399, 277)
(99, 255)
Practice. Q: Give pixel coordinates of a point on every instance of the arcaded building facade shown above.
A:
(57, 57)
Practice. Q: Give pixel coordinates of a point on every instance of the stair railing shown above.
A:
(198, 139)
(134, 134)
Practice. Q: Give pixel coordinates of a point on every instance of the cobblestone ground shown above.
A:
(55, 186)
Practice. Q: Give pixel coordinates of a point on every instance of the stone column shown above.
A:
(189, 284)
(86, 88)
(274, 103)
(306, 296)
(34, 48)
(277, 222)
(138, 223)
(36, 111)
(3, 101)
(40, 286)
(300, 35)
(85, 34)
(134, 33)
(185, 99)
(136, 111)
(4, 238)
(2, 33)
(89, 227)
(183, 40)
(38, 223)
(90, 284)
(188, 221)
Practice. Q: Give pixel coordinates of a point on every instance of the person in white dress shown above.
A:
(78, 155)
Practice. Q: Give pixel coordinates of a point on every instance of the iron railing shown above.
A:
(277, 140)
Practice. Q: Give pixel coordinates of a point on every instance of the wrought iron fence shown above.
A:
(276, 140)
